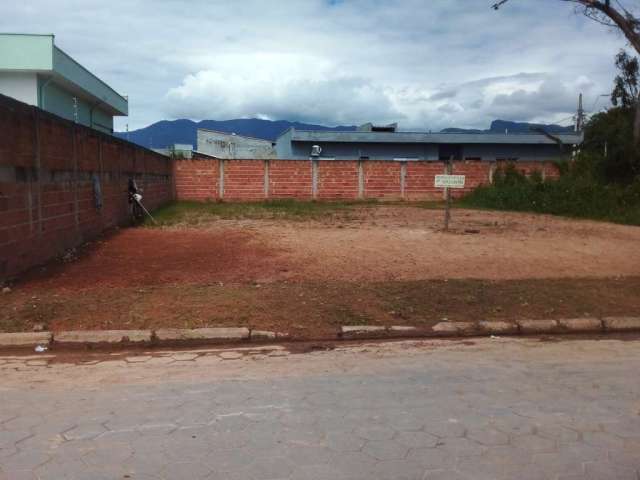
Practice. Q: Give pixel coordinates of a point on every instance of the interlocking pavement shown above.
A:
(478, 409)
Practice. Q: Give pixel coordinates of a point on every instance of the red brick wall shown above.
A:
(198, 179)
(290, 179)
(420, 178)
(244, 180)
(47, 201)
(337, 180)
(382, 180)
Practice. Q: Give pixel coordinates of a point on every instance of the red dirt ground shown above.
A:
(142, 257)
(381, 265)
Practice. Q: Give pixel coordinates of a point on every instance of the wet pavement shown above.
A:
(474, 409)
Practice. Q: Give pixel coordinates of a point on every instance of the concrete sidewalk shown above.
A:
(511, 408)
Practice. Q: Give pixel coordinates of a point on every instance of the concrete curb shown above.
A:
(202, 334)
(108, 337)
(206, 336)
(621, 324)
(28, 339)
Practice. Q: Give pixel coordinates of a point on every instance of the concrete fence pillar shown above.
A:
(492, 171)
(76, 186)
(315, 164)
(360, 179)
(403, 180)
(221, 179)
(267, 165)
(38, 176)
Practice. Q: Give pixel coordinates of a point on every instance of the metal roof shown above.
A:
(422, 137)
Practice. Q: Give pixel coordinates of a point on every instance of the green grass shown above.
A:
(568, 196)
(196, 213)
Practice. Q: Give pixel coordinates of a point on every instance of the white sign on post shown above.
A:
(449, 181)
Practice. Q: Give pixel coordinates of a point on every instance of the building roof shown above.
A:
(39, 54)
(422, 137)
(233, 134)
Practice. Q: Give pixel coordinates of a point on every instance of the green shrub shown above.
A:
(576, 193)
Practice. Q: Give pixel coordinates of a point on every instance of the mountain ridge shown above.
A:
(168, 132)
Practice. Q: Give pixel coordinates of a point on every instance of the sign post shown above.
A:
(449, 181)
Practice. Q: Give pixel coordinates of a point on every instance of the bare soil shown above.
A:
(389, 265)
(405, 243)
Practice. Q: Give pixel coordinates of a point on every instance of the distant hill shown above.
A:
(167, 132)
(500, 126)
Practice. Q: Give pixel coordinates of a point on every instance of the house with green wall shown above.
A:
(35, 71)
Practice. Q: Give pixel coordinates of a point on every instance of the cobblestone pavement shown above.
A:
(480, 409)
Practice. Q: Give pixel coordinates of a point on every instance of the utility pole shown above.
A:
(580, 116)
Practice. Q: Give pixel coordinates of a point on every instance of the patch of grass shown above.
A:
(568, 196)
(432, 204)
(195, 213)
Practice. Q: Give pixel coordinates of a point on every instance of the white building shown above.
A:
(35, 71)
(230, 146)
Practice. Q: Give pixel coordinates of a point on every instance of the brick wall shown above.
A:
(48, 167)
(244, 180)
(290, 179)
(248, 180)
(197, 179)
(337, 180)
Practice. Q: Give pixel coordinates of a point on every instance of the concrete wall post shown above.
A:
(314, 178)
(221, 179)
(403, 179)
(267, 165)
(37, 174)
(360, 179)
(76, 187)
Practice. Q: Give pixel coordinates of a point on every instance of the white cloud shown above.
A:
(426, 64)
(278, 86)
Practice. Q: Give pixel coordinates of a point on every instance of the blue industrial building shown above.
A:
(386, 143)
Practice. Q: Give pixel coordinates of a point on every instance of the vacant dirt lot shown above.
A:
(404, 243)
(368, 264)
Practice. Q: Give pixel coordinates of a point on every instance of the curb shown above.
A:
(106, 337)
(223, 335)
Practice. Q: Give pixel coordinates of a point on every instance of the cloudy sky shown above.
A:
(427, 64)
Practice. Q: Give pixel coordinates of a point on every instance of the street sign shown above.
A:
(449, 181)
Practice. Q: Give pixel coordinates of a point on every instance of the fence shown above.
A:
(204, 178)
(62, 184)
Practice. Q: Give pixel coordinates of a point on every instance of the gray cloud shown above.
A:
(427, 64)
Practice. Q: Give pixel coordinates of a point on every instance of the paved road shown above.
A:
(486, 409)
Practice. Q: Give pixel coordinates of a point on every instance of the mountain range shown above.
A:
(504, 126)
(167, 132)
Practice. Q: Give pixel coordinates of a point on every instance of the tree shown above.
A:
(610, 132)
(615, 16)
(625, 90)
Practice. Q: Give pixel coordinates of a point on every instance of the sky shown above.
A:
(426, 64)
